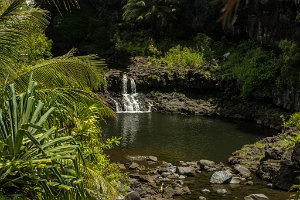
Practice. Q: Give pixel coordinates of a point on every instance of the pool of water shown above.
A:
(176, 137)
(188, 138)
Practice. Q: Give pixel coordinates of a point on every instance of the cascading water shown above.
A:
(129, 102)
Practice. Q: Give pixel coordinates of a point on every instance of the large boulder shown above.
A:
(268, 169)
(220, 177)
(286, 177)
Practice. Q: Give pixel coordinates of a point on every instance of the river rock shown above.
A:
(186, 190)
(147, 178)
(235, 180)
(167, 167)
(256, 197)
(220, 177)
(136, 158)
(222, 191)
(166, 174)
(206, 164)
(188, 171)
(168, 192)
(179, 182)
(132, 196)
(243, 171)
(121, 166)
(202, 198)
(178, 191)
(249, 183)
(152, 158)
(181, 177)
(205, 191)
(133, 166)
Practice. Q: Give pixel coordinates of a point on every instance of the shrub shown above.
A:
(36, 46)
(181, 58)
(290, 53)
(290, 63)
(252, 66)
(135, 43)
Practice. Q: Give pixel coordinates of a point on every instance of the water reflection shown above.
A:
(175, 137)
(129, 124)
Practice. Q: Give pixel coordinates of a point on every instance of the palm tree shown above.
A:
(67, 73)
(228, 10)
(156, 13)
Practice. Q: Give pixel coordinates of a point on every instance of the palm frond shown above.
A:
(66, 4)
(16, 22)
(228, 11)
(66, 99)
(66, 71)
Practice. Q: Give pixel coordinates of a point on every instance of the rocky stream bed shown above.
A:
(151, 179)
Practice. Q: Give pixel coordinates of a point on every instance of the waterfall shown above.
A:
(117, 105)
(133, 86)
(125, 80)
(129, 102)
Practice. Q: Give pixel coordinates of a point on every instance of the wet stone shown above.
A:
(220, 177)
(133, 166)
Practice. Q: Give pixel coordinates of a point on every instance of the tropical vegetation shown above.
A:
(50, 115)
(50, 108)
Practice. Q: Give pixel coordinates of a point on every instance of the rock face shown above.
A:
(220, 177)
(256, 197)
(206, 94)
(271, 161)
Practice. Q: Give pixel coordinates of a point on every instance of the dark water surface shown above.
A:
(175, 137)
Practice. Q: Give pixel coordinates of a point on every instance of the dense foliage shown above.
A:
(50, 137)
(252, 66)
